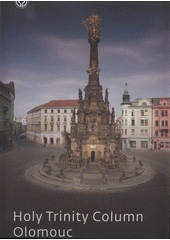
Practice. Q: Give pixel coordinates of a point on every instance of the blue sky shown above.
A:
(45, 50)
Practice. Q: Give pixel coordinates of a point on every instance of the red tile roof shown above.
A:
(166, 98)
(35, 109)
(156, 101)
(61, 103)
(56, 104)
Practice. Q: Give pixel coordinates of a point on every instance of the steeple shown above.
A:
(126, 96)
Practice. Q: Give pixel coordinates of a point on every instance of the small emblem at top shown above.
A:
(21, 4)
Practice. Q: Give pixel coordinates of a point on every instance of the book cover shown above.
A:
(85, 127)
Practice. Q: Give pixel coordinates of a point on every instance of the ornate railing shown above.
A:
(77, 165)
(138, 169)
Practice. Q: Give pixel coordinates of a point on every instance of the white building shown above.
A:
(136, 122)
(47, 123)
(21, 120)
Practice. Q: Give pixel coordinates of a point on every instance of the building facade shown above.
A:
(22, 120)
(7, 96)
(20, 127)
(47, 123)
(161, 123)
(136, 123)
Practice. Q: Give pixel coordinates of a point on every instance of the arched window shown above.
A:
(45, 140)
(144, 104)
(92, 156)
(51, 141)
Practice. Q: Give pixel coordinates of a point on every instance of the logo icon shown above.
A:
(21, 4)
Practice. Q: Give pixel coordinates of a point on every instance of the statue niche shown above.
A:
(81, 117)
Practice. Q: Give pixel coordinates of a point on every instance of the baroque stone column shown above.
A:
(93, 90)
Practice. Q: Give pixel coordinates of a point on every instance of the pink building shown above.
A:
(161, 123)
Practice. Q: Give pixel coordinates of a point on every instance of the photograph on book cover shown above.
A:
(84, 119)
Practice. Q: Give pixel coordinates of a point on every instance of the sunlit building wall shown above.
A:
(136, 123)
(47, 123)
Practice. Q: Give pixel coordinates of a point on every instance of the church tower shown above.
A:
(126, 116)
(126, 97)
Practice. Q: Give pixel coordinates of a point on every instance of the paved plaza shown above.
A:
(149, 198)
(90, 178)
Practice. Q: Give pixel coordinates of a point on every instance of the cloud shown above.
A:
(123, 51)
(147, 53)
(67, 55)
(139, 81)
(149, 49)
(74, 51)
(139, 86)
(60, 69)
(62, 82)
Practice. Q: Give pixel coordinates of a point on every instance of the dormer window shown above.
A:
(144, 104)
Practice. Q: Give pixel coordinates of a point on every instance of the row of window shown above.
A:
(158, 145)
(123, 122)
(163, 133)
(5, 110)
(143, 132)
(163, 113)
(125, 112)
(145, 113)
(58, 111)
(51, 140)
(144, 144)
(5, 93)
(52, 128)
(163, 123)
(143, 122)
(52, 119)
(142, 112)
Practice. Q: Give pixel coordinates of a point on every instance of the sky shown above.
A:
(45, 50)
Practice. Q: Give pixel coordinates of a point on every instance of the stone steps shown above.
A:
(92, 170)
(96, 182)
(73, 181)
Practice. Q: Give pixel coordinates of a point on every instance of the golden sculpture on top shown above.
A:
(93, 27)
